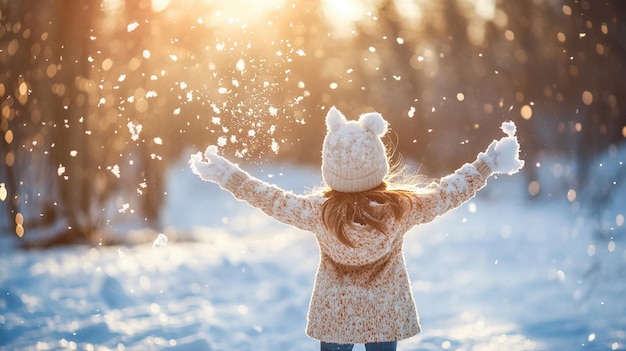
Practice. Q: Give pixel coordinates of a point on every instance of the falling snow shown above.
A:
(274, 146)
(273, 111)
(126, 208)
(160, 241)
(132, 26)
(135, 130)
(115, 169)
(3, 192)
(411, 112)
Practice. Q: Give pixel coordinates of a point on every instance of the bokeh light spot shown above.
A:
(526, 112)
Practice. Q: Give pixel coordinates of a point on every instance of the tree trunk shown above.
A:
(71, 151)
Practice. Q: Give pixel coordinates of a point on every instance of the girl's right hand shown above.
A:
(215, 169)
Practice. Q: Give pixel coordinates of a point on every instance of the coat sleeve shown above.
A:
(296, 210)
(449, 192)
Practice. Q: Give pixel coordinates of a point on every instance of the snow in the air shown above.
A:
(509, 128)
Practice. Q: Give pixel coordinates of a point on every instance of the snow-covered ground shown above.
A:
(499, 273)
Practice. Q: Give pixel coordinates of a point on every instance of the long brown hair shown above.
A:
(341, 209)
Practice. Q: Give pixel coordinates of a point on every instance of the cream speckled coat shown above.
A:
(361, 294)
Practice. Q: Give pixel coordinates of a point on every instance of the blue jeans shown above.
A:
(374, 346)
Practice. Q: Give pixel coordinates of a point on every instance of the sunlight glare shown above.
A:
(343, 14)
(112, 5)
(242, 11)
(485, 8)
(160, 5)
(409, 9)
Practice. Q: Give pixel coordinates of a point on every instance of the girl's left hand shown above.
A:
(502, 155)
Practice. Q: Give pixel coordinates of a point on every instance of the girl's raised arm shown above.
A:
(501, 157)
(282, 205)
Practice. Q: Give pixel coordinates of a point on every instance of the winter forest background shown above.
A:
(100, 100)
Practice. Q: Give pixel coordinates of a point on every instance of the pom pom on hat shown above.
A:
(354, 157)
(374, 123)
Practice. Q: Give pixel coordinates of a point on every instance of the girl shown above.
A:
(362, 293)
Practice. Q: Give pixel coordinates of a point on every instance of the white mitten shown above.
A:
(502, 156)
(217, 169)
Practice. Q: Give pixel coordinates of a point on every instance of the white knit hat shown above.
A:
(353, 155)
